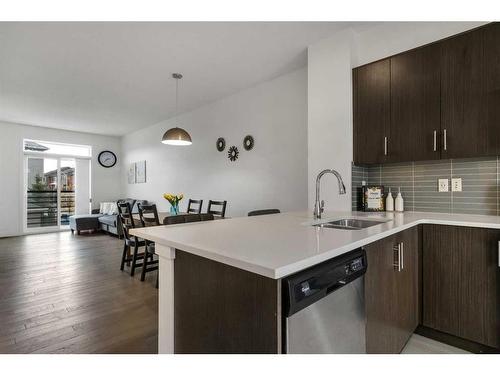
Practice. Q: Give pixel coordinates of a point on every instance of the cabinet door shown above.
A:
(391, 296)
(380, 292)
(492, 82)
(415, 105)
(371, 111)
(408, 306)
(461, 282)
(463, 106)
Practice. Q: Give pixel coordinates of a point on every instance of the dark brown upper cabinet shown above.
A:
(437, 101)
(465, 132)
(371, 112)
(492, 83)
(415, 105)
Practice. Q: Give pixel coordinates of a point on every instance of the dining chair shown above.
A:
(148, 214)
(268, 211)
(197, 206)
(128, 222)
(212, 208)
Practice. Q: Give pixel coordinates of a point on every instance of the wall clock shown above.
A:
(233, 152)
(221, 144)
(107, 159)
(248, 142)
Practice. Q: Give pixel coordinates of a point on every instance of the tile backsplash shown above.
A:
(419, 184)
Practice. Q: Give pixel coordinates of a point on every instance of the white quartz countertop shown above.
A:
(279, 245)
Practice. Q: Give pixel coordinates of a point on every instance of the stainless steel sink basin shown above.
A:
(349, 224)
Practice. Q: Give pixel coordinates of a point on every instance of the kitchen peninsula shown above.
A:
(221, 281)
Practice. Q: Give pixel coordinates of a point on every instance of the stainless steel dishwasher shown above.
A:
(324, 307)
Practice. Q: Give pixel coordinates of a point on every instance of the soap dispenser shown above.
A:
(399, 202)
(389, 202)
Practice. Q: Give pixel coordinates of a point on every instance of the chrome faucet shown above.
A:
(319, 207)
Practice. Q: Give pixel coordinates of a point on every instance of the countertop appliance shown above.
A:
(324, 307)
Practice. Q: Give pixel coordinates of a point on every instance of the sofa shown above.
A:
(97, 220)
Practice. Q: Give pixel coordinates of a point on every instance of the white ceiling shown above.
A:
(115, 77)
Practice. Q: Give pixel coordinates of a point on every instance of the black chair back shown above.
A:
(194, 206)
(268, 211)
(217, 208)
(187, 218)
(148, 215)
(126, 218)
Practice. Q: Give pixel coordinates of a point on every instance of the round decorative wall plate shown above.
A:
(233, 152)
(248, 142)
(221, 144)
(107, 159)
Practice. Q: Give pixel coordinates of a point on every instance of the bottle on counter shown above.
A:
(389, 202)
(360, 193)
(399, 202)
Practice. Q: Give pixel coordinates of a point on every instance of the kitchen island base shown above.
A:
(217, 308)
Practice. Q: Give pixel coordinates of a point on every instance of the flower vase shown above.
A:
(174, 210)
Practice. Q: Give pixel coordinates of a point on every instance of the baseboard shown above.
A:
(8, 235)
(455, 341)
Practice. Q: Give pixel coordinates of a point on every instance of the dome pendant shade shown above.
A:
(176, 137)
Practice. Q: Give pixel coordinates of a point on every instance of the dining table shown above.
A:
(163, 214)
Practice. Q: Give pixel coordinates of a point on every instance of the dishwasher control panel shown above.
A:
(308, 286)
(355, 266)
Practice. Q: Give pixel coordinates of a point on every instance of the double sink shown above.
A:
(350, 224)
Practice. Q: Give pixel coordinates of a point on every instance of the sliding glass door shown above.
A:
(56, 188)
(42, 193)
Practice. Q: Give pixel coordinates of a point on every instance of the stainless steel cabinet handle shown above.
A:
(402, 256)
(435, 140)
(385, 145)
(498, 253)
(397, 257)
(444, 140)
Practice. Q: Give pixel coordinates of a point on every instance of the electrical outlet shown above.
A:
(456, 184)
(442, 185)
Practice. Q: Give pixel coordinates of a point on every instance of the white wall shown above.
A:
(272, 175)
(330, 118)
(330, 63)
(105, 182)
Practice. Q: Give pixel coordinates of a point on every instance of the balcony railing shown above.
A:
(42, 207)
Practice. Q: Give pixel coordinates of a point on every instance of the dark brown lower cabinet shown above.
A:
(392, 291)
(461, 282)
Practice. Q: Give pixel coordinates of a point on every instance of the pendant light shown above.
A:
(176, 136)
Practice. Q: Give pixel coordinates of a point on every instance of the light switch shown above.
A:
(442, 185)
(456, 184)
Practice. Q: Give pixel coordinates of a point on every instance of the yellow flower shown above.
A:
(173, 199)
(168, 197)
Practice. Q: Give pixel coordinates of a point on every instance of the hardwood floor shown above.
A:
(61, 293)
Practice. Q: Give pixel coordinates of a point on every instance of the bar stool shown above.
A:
(268, 211)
